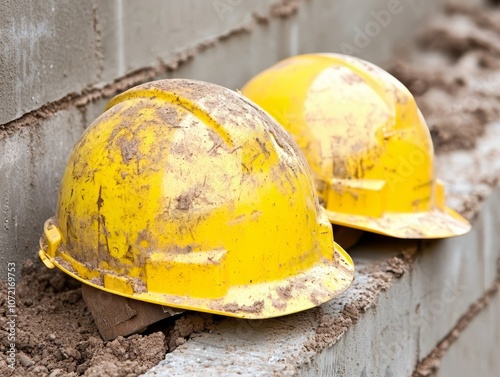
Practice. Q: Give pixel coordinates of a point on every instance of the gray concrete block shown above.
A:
(109, 18)
(370, 30)
(235, 60)
(475, 353)
(141, 34)
(246, 54)
(379, 344)
(51, 49)
(452, 274)
(243, 348)
(93, 110)
(47, 50)
(31, 165)
(137, 35)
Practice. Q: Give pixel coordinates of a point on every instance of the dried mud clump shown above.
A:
(189, 326)
(455, 74)
(366, 288)
(285, 8)
(397, 266)
(123, 356)
(56, 335)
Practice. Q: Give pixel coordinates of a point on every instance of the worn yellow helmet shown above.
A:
(188, 195)
(365, 140)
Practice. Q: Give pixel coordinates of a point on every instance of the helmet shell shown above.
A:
(186, 194)
(365, 140)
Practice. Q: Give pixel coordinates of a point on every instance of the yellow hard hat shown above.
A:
(186, 194)
(365, 140)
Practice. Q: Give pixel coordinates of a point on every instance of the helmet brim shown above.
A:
(313, 287)
(420, 225)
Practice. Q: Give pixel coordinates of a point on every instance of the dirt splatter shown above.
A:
(57, 336)
(329, 330)
(352, 312)
(170, 115)
(313, 297)
(261, 19)
(284, 293)
(183, 202)
(234, 307)
(128, 148)
(278, 304)
(285, 8)
(454, 74)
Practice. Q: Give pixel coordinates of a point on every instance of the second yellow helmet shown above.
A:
(365, 140)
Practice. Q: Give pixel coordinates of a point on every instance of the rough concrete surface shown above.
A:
(261, 47)
(158, 30)
(192, 30)
(479, 344)
(31, 166)
(139, 34)
(46, 52)
(269, 41)
(431, 363)
(466, 175)
(372, 30)
(451, 275)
